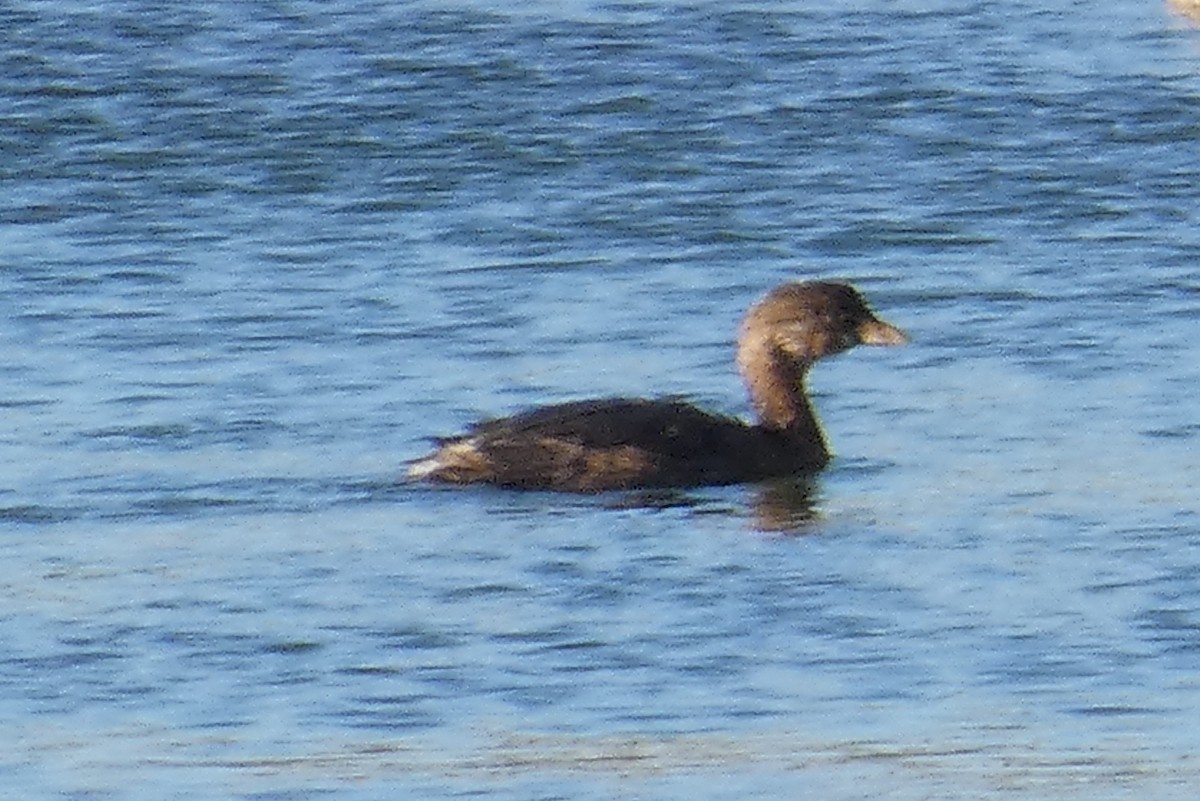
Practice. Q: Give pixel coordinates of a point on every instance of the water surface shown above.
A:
(255, 256)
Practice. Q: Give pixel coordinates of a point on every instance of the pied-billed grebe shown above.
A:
(621, 443)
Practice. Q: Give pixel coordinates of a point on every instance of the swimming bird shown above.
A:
(630, 443)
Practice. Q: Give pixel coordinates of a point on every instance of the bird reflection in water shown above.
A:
(780, 506)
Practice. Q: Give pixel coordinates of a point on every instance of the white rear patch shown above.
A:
(461, 455)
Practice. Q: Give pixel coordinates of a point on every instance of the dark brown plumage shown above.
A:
(621, 443)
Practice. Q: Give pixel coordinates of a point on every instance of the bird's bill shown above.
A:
(877, 332)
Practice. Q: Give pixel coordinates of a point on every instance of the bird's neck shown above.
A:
(779, 393)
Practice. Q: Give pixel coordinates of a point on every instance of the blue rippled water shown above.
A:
(255, 255)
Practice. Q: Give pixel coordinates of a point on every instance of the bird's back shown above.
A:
(616, 443)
